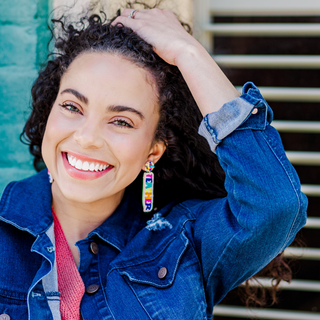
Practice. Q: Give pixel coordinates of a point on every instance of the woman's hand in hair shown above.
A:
(161, 28)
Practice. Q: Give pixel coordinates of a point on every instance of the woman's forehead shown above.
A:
(109, 76)
(114, 64)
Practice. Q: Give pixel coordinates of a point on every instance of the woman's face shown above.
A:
(100, 131)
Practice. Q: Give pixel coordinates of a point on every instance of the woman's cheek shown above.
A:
(132, 147)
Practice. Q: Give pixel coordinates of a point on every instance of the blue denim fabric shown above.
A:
(207, 247)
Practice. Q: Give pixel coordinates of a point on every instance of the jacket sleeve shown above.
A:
(237, 236)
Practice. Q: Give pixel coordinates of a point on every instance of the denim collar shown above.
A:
(27, 206)
(127, 220)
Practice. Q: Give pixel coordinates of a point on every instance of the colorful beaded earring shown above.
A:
(147, 191)
(50, 177)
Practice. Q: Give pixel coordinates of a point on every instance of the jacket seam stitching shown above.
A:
(145, 261)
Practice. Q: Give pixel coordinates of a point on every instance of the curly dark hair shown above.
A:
(187, 158)
(188, 169)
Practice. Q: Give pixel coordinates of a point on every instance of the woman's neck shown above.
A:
(79, 219)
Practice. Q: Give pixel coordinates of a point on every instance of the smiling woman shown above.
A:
(120, 98)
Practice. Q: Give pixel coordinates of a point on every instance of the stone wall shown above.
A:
(184, 8)
(23, 38)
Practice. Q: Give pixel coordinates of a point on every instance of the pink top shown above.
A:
(70, 282)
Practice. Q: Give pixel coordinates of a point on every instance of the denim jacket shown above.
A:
(184, 260)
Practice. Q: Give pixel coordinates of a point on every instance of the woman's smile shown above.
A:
(84, 168)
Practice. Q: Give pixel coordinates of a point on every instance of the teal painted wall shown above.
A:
(23, 39)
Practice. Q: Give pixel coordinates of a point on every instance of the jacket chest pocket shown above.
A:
(159, 272)
(169, 286)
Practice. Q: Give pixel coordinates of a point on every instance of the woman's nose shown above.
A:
(89, 136)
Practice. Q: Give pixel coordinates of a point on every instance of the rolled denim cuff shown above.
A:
(250, 111)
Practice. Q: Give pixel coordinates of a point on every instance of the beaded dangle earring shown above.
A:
(50, 177)
(147, 191)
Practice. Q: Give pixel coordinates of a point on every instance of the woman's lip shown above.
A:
(85, 158)
(82, 175)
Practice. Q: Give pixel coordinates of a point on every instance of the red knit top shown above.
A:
(70, 283)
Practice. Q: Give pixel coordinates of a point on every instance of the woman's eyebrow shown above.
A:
(76, 93)
(124, 108)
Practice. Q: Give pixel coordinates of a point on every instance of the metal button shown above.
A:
(91, 289)
(255, 111)
(94, 248)
(4, 317)
(162, 273)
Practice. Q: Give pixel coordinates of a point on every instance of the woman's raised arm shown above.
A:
(234, 237)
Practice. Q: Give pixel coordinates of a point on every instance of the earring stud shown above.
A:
(50, 177)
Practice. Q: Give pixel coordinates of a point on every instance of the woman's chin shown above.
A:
(78, 193)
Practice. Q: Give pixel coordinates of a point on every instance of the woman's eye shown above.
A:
(122, 123)
(70, 107)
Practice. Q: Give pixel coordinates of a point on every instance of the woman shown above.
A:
(114, 103)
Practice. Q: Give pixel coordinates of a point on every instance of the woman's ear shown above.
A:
(156, 152)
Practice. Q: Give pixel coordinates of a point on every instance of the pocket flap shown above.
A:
(167, 261)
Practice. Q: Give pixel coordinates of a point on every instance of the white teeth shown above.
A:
(79, 164)
(73, 161)
(86, 165)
